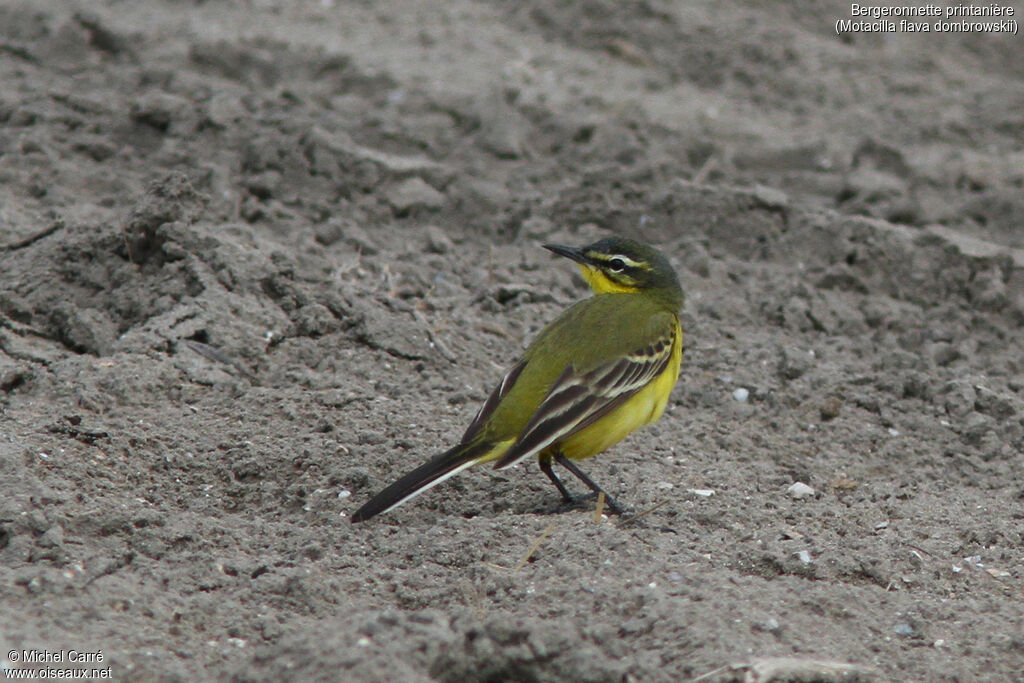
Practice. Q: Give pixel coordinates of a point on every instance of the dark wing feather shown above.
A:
(504, 386)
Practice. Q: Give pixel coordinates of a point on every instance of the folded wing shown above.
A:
(577, 400)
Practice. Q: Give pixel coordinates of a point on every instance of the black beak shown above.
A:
(573, 253)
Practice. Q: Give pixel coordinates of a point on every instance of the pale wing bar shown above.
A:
(575, 402)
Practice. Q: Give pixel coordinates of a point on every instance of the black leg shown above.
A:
(545, 467)
(571, 466)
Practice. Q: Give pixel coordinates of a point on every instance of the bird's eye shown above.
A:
(617, 265)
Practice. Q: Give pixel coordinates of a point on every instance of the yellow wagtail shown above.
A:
(603, 368)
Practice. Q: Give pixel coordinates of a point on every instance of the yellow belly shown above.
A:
(643, 408)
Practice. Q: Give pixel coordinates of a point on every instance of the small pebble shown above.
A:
(804, 556)
(438, 241)
(771, 198)
(741, 395)
(704, 493)
(414, 194)
(830, 408)
(800, 490)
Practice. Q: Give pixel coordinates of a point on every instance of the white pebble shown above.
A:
(704, 493)
(804, 556)
(800, 490)
(741, 395)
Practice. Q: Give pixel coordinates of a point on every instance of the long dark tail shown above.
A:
(426, 476)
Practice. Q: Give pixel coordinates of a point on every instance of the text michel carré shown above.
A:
(59, 656)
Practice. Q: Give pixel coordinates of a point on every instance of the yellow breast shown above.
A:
(645, 407)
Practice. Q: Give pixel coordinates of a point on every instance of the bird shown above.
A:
(603, 368)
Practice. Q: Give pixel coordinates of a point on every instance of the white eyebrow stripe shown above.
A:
(622, 257)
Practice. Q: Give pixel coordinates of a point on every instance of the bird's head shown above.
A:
(621, 265)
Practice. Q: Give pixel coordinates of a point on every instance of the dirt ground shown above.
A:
(259, 258)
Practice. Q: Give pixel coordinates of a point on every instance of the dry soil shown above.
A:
(258, 258)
